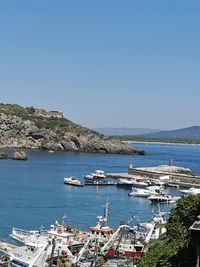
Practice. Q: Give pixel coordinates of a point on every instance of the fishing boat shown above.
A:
(28, 255)
(56, 243)
(57, 230)
(43, 253)
(150, 230)
(121, 243)
(72, 181)
(101, 230)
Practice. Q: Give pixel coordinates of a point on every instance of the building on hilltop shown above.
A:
(48, 114)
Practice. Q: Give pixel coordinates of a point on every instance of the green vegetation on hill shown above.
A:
(175, 248)
(36, 128)
(56, 124)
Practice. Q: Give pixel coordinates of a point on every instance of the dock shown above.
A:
(118, 175)
(100, 184)
(178, 179)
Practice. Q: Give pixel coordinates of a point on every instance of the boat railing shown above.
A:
(17, 231)
(41, 261)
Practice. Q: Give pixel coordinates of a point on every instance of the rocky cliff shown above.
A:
(22, 128)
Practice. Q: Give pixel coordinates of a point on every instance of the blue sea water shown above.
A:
(32, 192)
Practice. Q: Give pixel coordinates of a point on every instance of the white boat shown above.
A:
(59, 231)
(101, 230)
(41, 253)
(59, 241)
(121, 245)
(72, 181)
(98, 174)
(28, 255)
(147, 231)
(117, 241)
(158, 182)
(173, 185)
(162, 198)
(145, 192)
(191, 191)
(132, 182)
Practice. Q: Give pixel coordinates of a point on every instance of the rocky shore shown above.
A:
(21, 129)
(17, 155)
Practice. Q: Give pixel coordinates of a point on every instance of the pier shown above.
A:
(101, 184)
(179, 179)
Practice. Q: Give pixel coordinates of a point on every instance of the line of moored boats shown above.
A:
(153, 189)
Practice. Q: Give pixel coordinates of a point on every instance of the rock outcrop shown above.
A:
(21, 129)
(19, 155)
(3, 155)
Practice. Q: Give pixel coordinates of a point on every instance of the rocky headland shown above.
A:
(30, 128)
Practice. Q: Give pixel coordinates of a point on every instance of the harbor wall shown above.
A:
(180, 179)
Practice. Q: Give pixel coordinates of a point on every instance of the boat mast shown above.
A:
(106, 208)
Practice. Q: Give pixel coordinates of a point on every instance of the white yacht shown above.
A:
(145, 192)
(72, 181)
(132, 182)
(162, 198)
(98, 174)
(191, 191)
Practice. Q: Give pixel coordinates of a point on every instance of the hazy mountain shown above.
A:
(125, 131)
(188, 133)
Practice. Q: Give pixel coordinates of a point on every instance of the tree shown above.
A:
(175, 249)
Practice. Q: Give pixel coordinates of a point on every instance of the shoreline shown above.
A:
(159, 143)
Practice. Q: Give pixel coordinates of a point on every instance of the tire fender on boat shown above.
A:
(64, 253)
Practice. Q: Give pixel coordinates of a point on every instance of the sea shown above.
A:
(33, 194)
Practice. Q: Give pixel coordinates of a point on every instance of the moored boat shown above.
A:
(150, 230)
(191, 191)
(133, 182)
(98, 174)
(101, 230)
(72, 181)
(162, 198)
(145, 192)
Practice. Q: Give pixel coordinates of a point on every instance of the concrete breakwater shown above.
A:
(179, 178)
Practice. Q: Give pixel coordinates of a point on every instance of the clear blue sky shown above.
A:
(104, 63)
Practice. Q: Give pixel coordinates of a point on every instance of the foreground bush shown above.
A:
(175, 248)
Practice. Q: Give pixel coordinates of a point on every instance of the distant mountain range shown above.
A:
(125, 131)
(192, 132)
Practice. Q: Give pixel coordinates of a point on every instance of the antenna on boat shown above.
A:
(63, 219)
